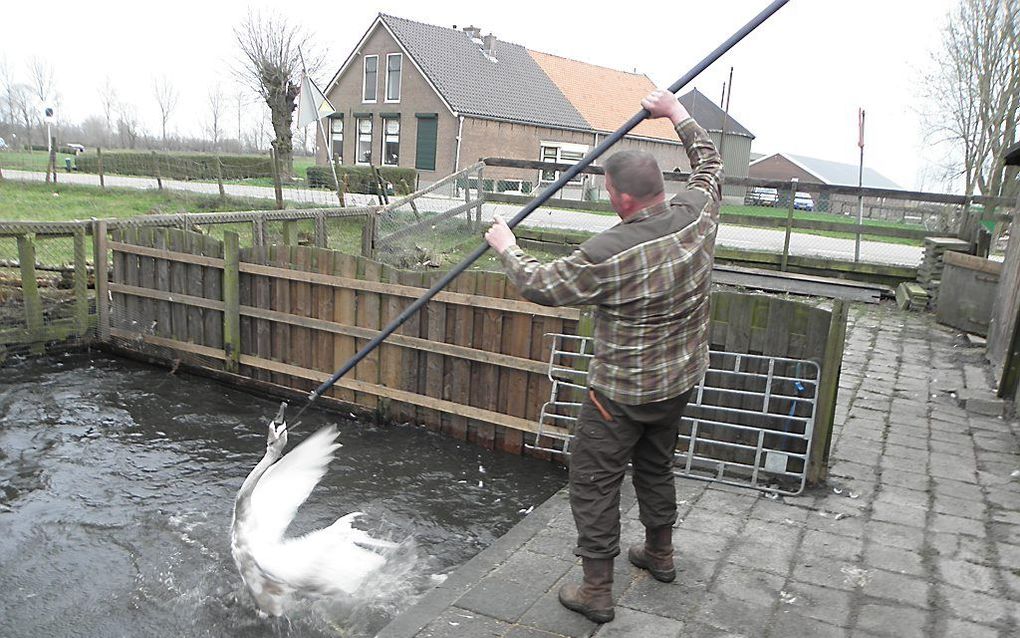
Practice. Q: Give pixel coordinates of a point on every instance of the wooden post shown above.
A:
(81, 284)
(99, 157)
(219, 176)
(789, 224)
(258, 232)
(321, 240)
(52, 161)
(277, 185)
(30, 291)
(414, 207)
(155, 170)
(101, 266)
(828, 386)
(368, 233)
(480, 194)
(231, 301)
(290, 233)
(467, 196)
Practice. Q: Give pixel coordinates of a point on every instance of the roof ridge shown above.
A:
(601, 66)
(439, 26)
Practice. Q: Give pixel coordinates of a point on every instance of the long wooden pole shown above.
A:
(549, 191)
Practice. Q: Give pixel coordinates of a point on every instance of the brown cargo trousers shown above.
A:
(608, 436)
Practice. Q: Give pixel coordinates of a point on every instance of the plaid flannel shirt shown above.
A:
(649, 279)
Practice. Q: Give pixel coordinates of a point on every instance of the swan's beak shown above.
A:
(279, 423)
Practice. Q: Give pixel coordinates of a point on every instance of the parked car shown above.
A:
(3, 144)
(77, 148)
(803, 201)
(761, 196)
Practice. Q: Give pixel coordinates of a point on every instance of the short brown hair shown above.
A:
(635, 173)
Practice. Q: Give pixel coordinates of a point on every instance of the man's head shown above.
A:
(634, 181)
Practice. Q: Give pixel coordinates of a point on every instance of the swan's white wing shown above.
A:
(286, 485)
(327, 561)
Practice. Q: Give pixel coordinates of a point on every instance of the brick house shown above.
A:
(809, 170)
(437, 99)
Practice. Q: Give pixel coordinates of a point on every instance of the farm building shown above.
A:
(809, 170)
(438, 99)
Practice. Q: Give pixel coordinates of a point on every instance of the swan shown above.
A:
(331, 561)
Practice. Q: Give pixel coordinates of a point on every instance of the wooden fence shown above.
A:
(471, 364)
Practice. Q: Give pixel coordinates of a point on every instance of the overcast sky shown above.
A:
(798, 80)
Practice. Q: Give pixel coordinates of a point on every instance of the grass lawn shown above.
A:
(31, 161)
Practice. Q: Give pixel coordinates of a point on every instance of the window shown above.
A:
(562, 153)
(336, 139)
(391, 141)
(364, 155)
(368, 93)
(425, 153)
(393, 63)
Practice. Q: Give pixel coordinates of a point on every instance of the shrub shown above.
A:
(361, 180)
(177, 165)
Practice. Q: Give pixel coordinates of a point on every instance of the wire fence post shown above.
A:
(155, 170)
(368, 235)
(320, 230)
(219, 176)
(30, 293)
(277, 186)
(789, 225)
(51, 161)
(99, 161)
(480, 194)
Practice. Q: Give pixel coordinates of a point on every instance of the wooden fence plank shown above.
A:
(263, 293)
(514, 388)
(389, 354)
(368, 317)
(280, 256)
(435, 330)
(458, 379)
(301, 305)
(231, 302)
(81, 284)
(345, 313)
(409, 363)
(196, 288)
(487, 394)
(163, 308)
(30, 292)
(212, 288)
(178, 284)
(102, 264)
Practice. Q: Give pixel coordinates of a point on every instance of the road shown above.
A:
(739, 237)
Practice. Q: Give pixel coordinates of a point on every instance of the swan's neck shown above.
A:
(244, 494)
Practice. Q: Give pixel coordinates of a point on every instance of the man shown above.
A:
(649, 278)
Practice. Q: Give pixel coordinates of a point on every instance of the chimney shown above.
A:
(473, 32)
(489, 42)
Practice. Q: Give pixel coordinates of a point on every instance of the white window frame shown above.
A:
(357, 143)
(333, 140)
(560, 148)
(385, 135)
(364, 80)
(400, 79)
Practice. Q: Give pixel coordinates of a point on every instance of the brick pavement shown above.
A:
(916, 534)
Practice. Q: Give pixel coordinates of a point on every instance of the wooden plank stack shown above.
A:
(929, 275)
(911, 296)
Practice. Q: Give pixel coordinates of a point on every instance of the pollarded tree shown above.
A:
(974, 92)
(271, 66)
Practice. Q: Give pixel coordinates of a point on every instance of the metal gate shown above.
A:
(749, 422)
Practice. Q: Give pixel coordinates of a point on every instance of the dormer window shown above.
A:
(371, 79)
(394, 61)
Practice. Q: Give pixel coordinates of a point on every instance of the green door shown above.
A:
(425, 154)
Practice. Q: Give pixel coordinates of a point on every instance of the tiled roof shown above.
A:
(605, 97)
(512, 88)
(709, 115)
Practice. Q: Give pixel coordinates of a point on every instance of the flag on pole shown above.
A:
(312, 104)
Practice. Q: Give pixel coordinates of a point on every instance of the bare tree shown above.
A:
(108, 101)
(128, 127)
(166, 97)
(271, 66)
(974, 91)
(22, 105)
(214, 126)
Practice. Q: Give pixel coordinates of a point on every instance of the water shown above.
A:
(116, 487)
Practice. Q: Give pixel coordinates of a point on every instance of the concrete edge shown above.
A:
(443, 596)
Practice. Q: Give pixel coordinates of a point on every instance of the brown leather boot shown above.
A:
(594, 597)
(656, 554)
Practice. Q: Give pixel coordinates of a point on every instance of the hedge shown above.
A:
(361, 180)
(177, 165)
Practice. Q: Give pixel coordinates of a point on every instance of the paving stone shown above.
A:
(816, 543)
(787, 623)
(459, 623)
(707, 631)
(957, 489)
(723, 525)
(836, 524)
(679, 600)
(771, 558)
(966, 575)
(552, 542)
(511, 589)
(694, 543)
(734, 615)
(518, 631)
(828, 573)
(828, 605)
(547, 614)
(892, 620)
(956, 627)
(1009, 555)
(893, 559)
(960, 547)
(629, 623)
(779, 511)
(771, 532)
(908, 440)
(899, 514)
(754, 586)
(903, 496)
(727, 502)
(897, 588)
(973, 606)
(896, 535)
(965, 508)
(905, 479)
(947, 523)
